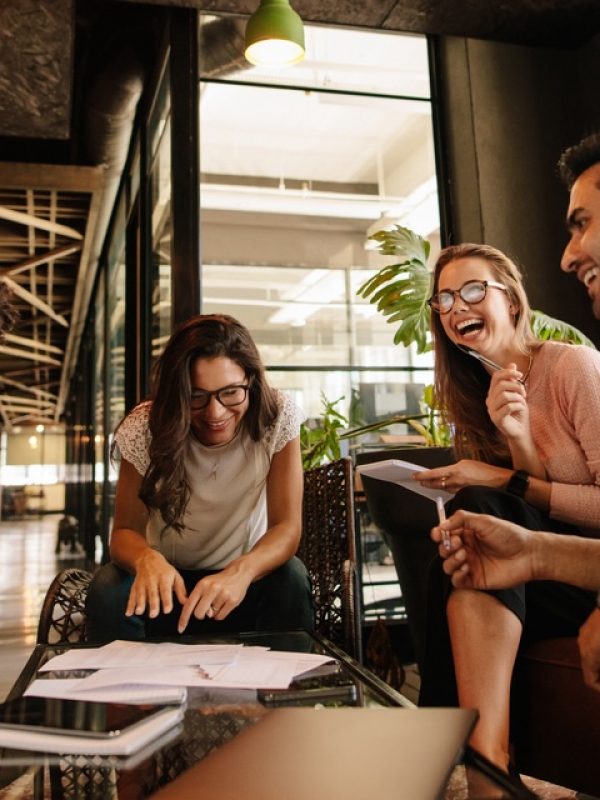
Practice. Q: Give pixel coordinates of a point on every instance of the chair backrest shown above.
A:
(62, 618)
(328, 549)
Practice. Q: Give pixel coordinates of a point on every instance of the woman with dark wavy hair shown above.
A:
(525, 424)
(209, 499)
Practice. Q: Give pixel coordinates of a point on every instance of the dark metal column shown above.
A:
(185, 166)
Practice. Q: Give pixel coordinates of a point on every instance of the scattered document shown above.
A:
(71, 689)
(400, 472)
(135, 670)
(139, 654)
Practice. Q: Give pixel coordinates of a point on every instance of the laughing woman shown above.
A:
(526, 430)
(209, 498)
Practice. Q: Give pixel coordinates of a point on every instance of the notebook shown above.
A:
(333, 754)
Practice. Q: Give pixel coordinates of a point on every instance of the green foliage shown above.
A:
(322, 444)
(401, 290)
(547, 328)
(435, 432)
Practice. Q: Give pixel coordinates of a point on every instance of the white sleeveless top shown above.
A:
(227, 510)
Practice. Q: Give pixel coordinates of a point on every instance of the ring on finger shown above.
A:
(443, 481)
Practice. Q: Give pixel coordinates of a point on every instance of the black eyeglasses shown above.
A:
(471, 292)
(228, 396)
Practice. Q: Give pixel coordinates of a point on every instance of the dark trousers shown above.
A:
(281, 600)
(546, 609)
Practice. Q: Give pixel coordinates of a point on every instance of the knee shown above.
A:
(479, 499)
(293, 576)
(105, 607)
(109, 586)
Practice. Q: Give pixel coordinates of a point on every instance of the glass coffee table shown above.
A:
(212, 718)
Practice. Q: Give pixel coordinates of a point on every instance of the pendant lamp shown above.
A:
(274, 35)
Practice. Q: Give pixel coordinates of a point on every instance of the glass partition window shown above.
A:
(159, 134)
(298, 169)
(116, 339)
(161, 245)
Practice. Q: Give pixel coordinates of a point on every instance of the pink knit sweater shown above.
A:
(563, 394)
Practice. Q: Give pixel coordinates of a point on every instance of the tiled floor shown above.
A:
(28, 564)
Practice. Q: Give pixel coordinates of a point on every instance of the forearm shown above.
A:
(277, 546)
(538, 492)
(565, 558)
(127, 547)
(524, 455)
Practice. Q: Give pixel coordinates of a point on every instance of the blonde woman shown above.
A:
(526, 434)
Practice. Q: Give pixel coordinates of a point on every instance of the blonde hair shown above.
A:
(461, 383)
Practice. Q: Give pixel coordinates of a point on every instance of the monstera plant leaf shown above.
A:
(548, 328)
(401, 290)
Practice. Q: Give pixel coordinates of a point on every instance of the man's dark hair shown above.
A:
(578, 158)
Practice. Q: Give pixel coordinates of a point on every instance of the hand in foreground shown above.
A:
(589, 647)
(506, 403)
(153, 586)
(485, 552)
(466, 472)
(215, 596)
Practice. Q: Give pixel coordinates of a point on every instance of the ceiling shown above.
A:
(65, 114)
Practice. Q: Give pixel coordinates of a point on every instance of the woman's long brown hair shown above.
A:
(461, 382)
(165, 485)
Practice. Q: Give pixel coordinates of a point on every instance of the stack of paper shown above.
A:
(158, 672)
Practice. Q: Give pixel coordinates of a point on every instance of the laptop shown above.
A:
(333, 754)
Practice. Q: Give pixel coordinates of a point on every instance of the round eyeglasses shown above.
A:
(228, 396)
(471, 292)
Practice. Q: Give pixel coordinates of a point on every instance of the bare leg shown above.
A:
(485, 636)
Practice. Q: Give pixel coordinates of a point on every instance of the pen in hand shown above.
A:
(442, 518)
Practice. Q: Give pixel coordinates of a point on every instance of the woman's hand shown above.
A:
(153, 586)
(215, 596)
(507, 403)
(466, 472)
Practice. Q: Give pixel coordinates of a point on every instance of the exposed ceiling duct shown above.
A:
(109, 121)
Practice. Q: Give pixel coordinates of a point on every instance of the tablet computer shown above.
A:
(75, 717)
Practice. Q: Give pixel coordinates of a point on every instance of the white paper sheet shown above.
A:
(70, 689)
(139, 654)
(250, 670)
(396, 471)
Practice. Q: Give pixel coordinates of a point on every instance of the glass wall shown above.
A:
(159, 179)
(298, 168)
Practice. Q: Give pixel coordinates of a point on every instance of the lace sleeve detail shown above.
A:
(287, 425)
(133, 437)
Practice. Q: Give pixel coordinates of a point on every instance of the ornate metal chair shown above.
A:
(328, 549)
(62, 618)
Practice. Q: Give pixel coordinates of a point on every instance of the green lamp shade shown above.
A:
(274, 35)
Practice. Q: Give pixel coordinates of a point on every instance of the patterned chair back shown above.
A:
(328, 549)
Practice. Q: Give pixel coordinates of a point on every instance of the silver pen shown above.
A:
(442, 518)
(484, 360)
